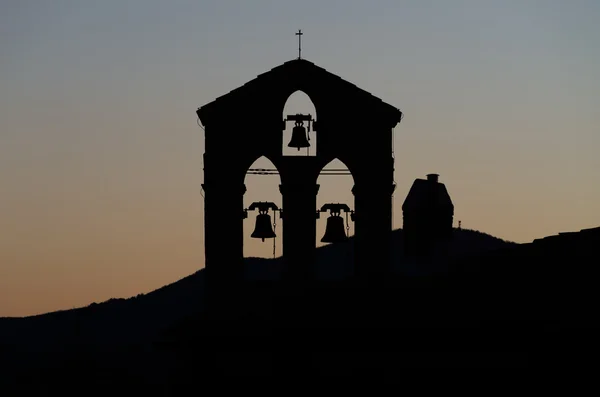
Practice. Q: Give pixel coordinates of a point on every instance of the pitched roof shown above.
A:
(295, 72)
(425, 194)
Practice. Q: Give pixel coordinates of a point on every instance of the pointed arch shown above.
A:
(298, 102)
(338, 161)
(334, 189)
(262, 161)
(262, 187)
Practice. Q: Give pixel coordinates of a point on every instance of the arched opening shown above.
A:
(299, 103)
(336, 183)
(262, 182)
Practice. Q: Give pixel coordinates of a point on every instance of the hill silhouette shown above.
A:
(484, 302)
(120, 320)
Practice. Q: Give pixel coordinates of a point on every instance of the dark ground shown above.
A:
(530, 307)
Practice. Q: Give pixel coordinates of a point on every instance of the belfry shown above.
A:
(350, 125)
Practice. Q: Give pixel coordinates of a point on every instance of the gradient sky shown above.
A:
(101, 156)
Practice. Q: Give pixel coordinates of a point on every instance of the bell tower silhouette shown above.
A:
(351, 125)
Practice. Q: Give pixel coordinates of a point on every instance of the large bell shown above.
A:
(263, 228)
(334, 232)
(299, 137)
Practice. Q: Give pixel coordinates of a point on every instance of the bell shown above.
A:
(263, 228)
(299, 137)
(334, 232)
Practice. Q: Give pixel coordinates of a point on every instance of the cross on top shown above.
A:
(299, 34)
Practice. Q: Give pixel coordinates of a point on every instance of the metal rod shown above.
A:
(324, 169)
(277, 173)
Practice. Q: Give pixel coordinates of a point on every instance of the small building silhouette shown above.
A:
(427, 214)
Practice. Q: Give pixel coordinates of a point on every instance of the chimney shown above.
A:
(432, 177)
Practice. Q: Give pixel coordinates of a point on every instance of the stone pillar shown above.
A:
(299, 229)
(223, 239)
(373, 226)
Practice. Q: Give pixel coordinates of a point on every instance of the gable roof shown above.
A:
(293, 73)
(427, 194)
